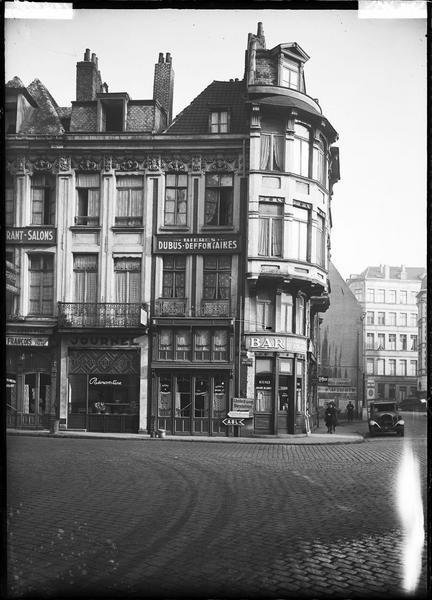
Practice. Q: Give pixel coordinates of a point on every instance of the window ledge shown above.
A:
(85, 227)
(127, 228)
(175, 228)
(218, 228)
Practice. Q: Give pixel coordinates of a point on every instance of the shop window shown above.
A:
(37, 388)
(290, 75)
(220, 396)
(183, 397)
(402, 393)
(381, 391)
(9, 201)
(202, 397)
(11, 396)
(265, 311)
(85, 277)
(218, 208)
(217, 277)
(301, 150)
(165, 397)
(183, 344)
(392, 391)
(319, 161)
(42, 200)
(299, 233)
(219, 121)
(270, 228)
(88, 199)
(272, 152)
(174, 275)
(320, 241)
(130, 201)
(175, 199)
(263, 385)
(286, 313)
(381, 318)
(300, 315)
(41, 291)
(370, 317)
(127, 279)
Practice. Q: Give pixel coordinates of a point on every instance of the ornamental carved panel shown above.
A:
(117, 362)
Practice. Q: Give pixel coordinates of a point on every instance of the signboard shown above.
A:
(196, 243)
(277, 343)
(345, 381)
(264, 381)
(238, 422)
(31, 235)
(370, 383)
(104, 380)
(26, 340)
(244, 405)
(239, 414)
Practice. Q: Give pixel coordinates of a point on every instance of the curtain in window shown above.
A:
(220, 344)
(276, 237)
(87, 180)
(93, 203)
(224, 285)
(209, 286)
(265, 151)
(286, 312)
(122, 203)
(263, 239)
(85, 268)
(211, 204)
(278, 152)
(127, 279)
(181, 206)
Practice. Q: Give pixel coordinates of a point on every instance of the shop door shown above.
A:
(264, 396)
(285, 404)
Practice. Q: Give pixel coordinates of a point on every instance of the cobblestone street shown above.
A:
(166, 518)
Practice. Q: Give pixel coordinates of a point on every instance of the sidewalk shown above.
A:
(347, 433)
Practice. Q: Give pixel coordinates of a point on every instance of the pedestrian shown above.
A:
(330, 417)
(350, 411)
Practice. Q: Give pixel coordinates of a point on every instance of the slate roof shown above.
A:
(395, 273)
(194, 119)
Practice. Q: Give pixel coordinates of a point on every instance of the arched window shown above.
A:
(301, 150)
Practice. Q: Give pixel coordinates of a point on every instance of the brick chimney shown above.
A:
(88, 78)
(163, 87)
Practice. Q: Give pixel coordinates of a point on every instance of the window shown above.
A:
(358, 294)
(413, 320)
(41, 276)
(391, 296)
(370, 295)
(217, 277)
(219, 121)
(202, 344)
(391, 318)
(166, 347)
(413, 368)
(370, 341)
(286, 313)
(301, 150)
(403, 368)
(369, 366)
(381, 318)
(403, 297)
(220, 350)
(370, 317)
(412, 297)
(218, 199)
(265, 311)
(381, 341)
(182, 344)
(300, 315)
(9, 201)
(37, 393)
(392, 341)
(414, 343)
(88, 199)
(403, 319)
(299, 232)
(85, 276)
(379, 295)
(42, 200)
(270, 228)
(175, 199)
(290, 74)
(403, 342)
(112, 115)
(320, 241)
(392, 366)
(127, 276)
(380, 366)
(402, 392)
(130, 200)
(319, 162)
(174, 275)
(272, 152)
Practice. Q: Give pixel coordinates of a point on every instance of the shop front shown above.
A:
(103, 384)
(278, 381)
(30, 380)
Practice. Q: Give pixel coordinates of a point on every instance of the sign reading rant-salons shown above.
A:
(31, 235)
(197, 243)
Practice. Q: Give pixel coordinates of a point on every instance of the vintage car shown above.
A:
(384, 418)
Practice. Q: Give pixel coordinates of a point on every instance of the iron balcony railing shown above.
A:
(177, 307)
(99, 314)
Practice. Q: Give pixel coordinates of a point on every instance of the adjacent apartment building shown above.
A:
(422, 372)
(388, 296)
(157, 269)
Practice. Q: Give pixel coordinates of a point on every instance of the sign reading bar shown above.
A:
(196, 243)
(276, 343)
(26, 340)
(31, 235)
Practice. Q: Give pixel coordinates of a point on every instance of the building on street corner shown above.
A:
(169, 273)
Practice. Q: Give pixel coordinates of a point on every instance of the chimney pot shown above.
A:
(161, 57)
(168, 57)
(87, 54)
(260, 29)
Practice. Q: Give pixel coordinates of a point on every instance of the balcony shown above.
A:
(99, 314)
(177, 307)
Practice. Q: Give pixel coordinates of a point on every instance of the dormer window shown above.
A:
(219, 121)
(290, 75)
(112, 109)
